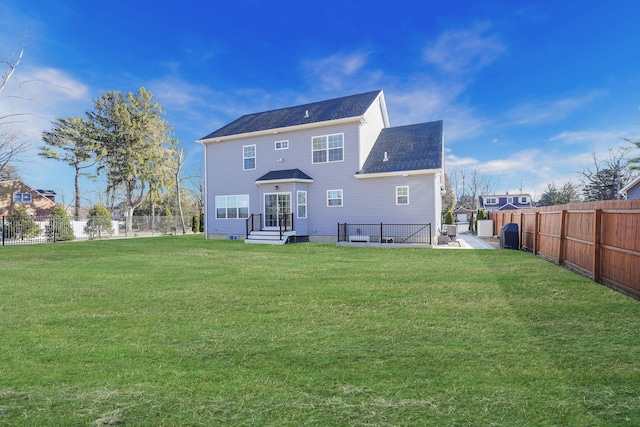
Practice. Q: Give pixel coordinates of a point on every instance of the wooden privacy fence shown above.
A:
(601, 240)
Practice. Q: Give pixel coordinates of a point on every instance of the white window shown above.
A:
(21, 197)
(328, 148)
(249, 157)
(524, 200)
(232, 207)
(509, 199)
(282, 145)
(302, 204)
(491, 201)
(402, 195)
(334, 198)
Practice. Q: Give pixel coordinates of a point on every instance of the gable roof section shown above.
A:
(630, 185)
(407, 148)
(332, 109)
(284, 175)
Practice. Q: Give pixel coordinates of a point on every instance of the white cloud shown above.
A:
(536, 112)
(610, 137)
(463, 51)
(340, 71)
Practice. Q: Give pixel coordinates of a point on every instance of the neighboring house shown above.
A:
(500, 202)
(463, 214)
(632, 189)
(36, 202)
(321, 164)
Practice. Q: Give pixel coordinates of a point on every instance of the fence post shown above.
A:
(563, 219)
(597, 230)
(380, 232)
(536, 232)
(3, 230)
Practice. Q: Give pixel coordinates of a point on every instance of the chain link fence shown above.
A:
(52, 229)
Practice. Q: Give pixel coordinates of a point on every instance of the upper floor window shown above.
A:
(282, 145)
(491, 201)
(334, 198)
(509, 199)
(328, 148)
(402, 195)
(21, 197)
(249, 157)
(524, 199)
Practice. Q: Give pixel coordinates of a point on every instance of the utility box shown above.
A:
(485, 228)
(509, 237)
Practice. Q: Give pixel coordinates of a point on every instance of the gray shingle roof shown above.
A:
(412, 147)
(284, 174)
(332, 109)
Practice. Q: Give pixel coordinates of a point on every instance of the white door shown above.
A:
(276, 205)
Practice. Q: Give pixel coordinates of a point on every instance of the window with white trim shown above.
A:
(509, 199)
(524, 200)
(249, 157)
(232, 207)
(302, 204)
(402, 195)
(282, 145)
(328, 148)
(334, 198)
(491, 201)
(21, 197)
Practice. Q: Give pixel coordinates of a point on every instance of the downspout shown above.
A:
(206, 195)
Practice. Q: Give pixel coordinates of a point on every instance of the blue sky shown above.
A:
(526, 89)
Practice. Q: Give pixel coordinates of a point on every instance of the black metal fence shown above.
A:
(51, 229)
(385, 233)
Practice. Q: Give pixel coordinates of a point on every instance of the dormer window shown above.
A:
(491, 201)
(21, 197)
(524, 200)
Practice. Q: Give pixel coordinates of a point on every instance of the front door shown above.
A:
(276, 205)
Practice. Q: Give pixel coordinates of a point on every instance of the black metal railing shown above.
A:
(385, 233)
(254, 223)
(286, 223)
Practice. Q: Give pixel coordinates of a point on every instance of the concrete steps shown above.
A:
(268, 237)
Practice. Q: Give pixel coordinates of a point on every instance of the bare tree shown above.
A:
(607, 177)
(179, 158)
(480, 182)
(12, 145)
(10, 68)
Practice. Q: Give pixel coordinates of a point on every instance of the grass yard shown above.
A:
(172, 331)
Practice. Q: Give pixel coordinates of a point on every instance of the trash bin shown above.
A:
(509, 238)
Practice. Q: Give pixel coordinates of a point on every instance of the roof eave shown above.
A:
(276, 131)
(283, 180)
(398, 173)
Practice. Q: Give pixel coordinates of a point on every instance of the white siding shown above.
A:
(370, 130)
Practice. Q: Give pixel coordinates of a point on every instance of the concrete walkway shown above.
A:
(466, 240)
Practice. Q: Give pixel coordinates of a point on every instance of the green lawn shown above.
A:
(173, 331)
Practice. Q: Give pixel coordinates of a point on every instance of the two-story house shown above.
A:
(17, 193)
(313, 166)
(500, 202)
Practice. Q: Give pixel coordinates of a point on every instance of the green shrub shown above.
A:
(195, 223)
(202, 222)
(448, 217)
(99, 222)
(59, 228)
(21, 224)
